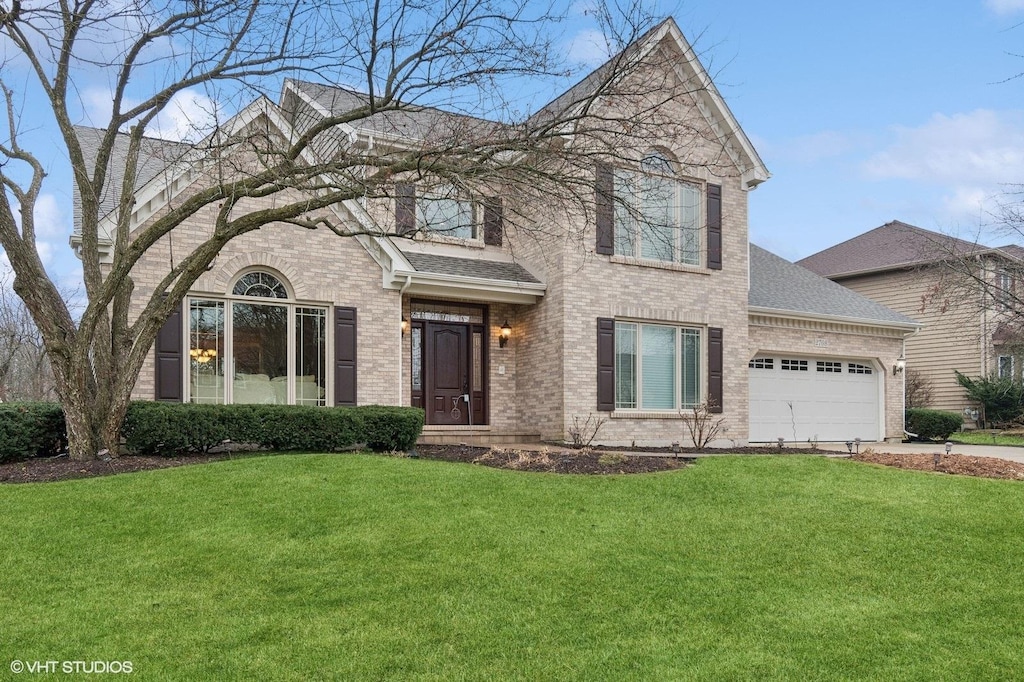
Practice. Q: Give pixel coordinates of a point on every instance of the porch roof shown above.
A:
(469, 267)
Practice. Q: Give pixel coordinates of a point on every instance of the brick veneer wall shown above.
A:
(318, 266)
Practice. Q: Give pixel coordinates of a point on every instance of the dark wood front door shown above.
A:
(447, 373)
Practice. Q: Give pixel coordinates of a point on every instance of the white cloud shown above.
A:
(970, 158)
(589, 47)
(189, 116)
(1005, 6)
(981, 147)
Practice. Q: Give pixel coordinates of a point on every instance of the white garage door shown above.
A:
(803, 399)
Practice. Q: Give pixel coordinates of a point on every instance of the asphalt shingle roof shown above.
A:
(154, 156)
(470, 267)
(777, 284)
(893, 245)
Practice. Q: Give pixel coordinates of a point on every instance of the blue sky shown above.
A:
(870, 111)
(864, 113)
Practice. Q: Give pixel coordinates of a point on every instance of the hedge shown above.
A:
(933, 424)
(175, 428)
(151, 428)
(31, 430)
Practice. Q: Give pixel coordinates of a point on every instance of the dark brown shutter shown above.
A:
(605, 364)
(405, 208)
(715, 227)
(169, 356)
(715, 369)
(604, 195)
(344, 356)
(493, 221)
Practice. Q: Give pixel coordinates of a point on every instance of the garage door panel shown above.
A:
(812, 404)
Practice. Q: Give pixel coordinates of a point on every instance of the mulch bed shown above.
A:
(964, 465)
(42, 469)
(551, 460)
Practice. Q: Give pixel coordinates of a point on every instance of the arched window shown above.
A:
(261, 284)
(262, 348)
(657, 216)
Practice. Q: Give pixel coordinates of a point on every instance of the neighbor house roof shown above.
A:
(776, 285)
(891, 246)
(897, 245)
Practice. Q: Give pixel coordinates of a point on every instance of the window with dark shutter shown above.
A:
(715, 369)
(169, 357)
(345, 356)
(405, 208)
(604, 194)
(605, 364)
(493, 221)
(715, 227)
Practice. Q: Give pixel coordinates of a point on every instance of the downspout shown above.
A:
(401, 334)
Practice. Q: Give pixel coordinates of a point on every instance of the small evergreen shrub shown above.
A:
(31, 430)
(933, 424)
(176, 428)
(1003, 398)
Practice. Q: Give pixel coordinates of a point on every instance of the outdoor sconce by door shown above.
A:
(405, 325)
(506, 332)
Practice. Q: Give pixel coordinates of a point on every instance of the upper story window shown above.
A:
(657, 216)
(443, 210)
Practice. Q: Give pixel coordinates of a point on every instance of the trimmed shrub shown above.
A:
(175, 428)
(933, 424)
(31, 430)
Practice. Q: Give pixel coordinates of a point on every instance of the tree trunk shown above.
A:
(93, 411)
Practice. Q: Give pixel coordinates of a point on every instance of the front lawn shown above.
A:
(986, 438)
(359, 567)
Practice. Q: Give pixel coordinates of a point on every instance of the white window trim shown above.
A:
(440, 192)
(633, 203)
(291, 304)
(1013, 367)
(639, 411)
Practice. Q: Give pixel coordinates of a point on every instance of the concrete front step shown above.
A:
(472, 435)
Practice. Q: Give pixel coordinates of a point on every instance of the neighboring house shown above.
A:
(923, 274)
(636, 325)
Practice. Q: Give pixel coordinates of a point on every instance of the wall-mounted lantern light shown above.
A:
(901, 364)
(506, 332)
(405, 325)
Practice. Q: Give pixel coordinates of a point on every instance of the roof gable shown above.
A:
(710, 103)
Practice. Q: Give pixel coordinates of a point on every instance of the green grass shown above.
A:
(359, 567)
(986, 438)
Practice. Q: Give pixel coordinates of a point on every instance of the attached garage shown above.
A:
(821, 358)
(816, 399)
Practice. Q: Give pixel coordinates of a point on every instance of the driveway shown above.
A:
(1014, 454)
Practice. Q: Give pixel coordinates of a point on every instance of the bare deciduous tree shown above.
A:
(918, 388)
(465, 56)
(24, 368)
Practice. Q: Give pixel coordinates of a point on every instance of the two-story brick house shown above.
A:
(507, 334)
